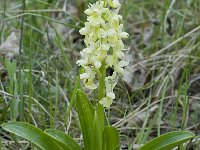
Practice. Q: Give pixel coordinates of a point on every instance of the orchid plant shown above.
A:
(104, 49)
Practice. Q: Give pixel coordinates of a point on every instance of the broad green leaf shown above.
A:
(96, 142)
(111, 139)
(168, 141)
(63, 139)
(32, 134)
(86, 116)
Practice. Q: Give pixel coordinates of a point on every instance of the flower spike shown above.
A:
(103, 39)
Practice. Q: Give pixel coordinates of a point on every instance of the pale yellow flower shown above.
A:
(114, 3)
(106, 102)
(110, 82)
(88, 77)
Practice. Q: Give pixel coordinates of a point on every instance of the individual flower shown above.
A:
(103, 39)
(114, 3)
(88, 76)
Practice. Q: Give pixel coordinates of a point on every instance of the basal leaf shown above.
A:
(168, 141)
(96, 142)
(32, 134)
(111, 139)
(86, 117)
(64, 140)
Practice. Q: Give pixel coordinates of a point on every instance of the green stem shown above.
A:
(101, 94)
(101, 89)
